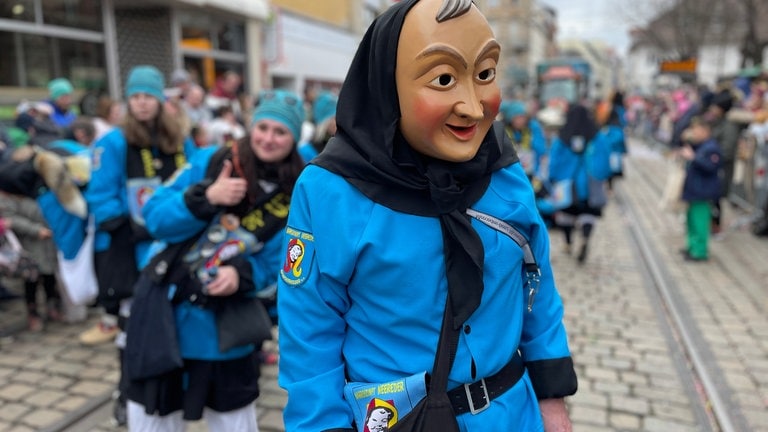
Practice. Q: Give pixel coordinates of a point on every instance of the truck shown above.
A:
(562, 78)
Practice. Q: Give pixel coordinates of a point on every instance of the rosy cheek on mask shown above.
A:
(428, 114)
(493, 103)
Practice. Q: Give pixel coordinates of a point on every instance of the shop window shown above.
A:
(220, 35)
(22, 10)
(82, 14)
(209, 44)
(42, 58)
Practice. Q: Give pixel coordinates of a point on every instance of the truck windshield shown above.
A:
(559, 89)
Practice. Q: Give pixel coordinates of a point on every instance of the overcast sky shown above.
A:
(605, 20)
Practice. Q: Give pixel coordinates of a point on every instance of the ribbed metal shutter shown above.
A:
(143, 37)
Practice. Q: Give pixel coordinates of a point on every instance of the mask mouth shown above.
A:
(463, 132)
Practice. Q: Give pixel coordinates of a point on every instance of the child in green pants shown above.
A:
(701, 187)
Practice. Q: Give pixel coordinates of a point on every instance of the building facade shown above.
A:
(94, 43)
(310, 44)
(526, 30)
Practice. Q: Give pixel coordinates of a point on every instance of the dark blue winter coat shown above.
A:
(702, 180)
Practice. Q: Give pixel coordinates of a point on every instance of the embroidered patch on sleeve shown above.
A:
(299, 254)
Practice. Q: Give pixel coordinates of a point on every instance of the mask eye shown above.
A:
(487, 75)
(444, 80)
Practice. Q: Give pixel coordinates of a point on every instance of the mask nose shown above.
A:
(469, 106)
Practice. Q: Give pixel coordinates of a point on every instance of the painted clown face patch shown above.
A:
(299, 252)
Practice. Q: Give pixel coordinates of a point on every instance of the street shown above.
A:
(660, 344)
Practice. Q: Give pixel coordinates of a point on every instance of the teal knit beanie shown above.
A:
(59, 87)
(324, 107)
(145, 79)
(282, 106)
(512, 109)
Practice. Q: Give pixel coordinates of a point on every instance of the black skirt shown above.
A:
(219, 385)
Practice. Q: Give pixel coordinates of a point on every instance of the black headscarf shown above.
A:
(370, 152)
(578, 122)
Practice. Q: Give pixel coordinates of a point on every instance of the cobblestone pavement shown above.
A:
(632, 374)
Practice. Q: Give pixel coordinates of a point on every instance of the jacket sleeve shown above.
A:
(265, 264)
(708, 159)
(544, 343)
(312, 326)
(106, 190)
(166, 214)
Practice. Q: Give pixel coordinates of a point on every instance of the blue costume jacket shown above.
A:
(362, 295)
(169, 219)
(566, 164)
(531, 146)
(107, 193)
(62, 119)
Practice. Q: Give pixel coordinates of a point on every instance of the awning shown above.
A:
(258, 9)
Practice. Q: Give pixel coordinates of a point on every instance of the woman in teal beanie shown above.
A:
(525, 133)
(324, 118)
(129, 163)
(229, 195)
(60, 90)
(324, 111)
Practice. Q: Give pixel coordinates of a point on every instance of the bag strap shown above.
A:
(532, 271)
(446, 352)
(449, 336)
(236, 161)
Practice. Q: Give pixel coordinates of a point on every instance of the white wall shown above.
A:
(642, 67)
(716, 61)
(305, 49)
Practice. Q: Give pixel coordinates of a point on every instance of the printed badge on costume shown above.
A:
(379, 406)
(139, 191)
(299, 253)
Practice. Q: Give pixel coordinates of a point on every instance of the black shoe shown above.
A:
(690, 258)
(582, 254)
(120, 412)
(683, 251)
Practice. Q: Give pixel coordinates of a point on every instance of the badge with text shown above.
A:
(298, 256)
(379, 406)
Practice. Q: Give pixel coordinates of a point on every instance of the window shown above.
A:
(82, 14)
(22, 10)
(211, 45)
(42, 58)
(219, 35)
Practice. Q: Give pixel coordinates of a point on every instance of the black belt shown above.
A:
(477, 397)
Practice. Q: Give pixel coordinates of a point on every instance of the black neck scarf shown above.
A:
(371, 154)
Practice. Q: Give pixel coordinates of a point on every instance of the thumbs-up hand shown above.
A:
(226, 190)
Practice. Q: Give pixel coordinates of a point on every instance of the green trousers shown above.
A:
(698, 219)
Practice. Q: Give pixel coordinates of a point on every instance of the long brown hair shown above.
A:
(170, 139)
(284, 173)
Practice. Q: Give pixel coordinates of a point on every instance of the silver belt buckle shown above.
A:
(472, 408)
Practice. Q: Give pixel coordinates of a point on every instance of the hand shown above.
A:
(226, 190)
(687, 153)
(555, 415)
(44, 233)
(226, 282)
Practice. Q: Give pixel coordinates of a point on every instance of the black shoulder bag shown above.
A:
(434, 413)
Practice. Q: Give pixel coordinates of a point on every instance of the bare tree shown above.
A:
(755, 39)
(679, 28)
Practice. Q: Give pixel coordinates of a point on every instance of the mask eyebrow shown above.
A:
(443, 49)
(490, 46)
